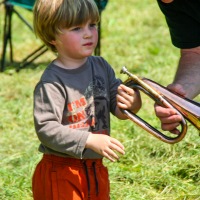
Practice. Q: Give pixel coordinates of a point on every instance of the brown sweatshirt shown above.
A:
(68, 104)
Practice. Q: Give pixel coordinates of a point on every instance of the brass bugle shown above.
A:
(188, 110)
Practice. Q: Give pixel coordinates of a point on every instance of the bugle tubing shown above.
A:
(184, 107)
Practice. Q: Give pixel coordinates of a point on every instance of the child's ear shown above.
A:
(53, 42)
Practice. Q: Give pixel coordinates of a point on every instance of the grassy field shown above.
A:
(134, 34)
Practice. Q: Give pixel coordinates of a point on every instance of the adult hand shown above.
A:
(169, 118)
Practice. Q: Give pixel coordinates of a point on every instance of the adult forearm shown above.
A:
(188, 72)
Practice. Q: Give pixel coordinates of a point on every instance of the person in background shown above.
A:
(183, 19)
(72, 105)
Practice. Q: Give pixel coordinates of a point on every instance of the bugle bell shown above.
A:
(186, 108)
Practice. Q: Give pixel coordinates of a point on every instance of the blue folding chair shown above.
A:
(23, 3)
(7, 35)
(7, 32)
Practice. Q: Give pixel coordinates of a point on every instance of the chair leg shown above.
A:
(33, 56)
(10, 32)
(7, 36)
(23, 20)
(97, 50)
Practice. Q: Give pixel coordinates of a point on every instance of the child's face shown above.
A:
(77, 42)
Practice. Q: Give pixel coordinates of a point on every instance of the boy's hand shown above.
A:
(105, 146)
(128, 99)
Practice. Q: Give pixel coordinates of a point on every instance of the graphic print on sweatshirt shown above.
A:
(91, 110)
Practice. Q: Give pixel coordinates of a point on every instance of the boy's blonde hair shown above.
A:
(50, 16)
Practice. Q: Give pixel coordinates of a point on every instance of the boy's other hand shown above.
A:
(105, 146)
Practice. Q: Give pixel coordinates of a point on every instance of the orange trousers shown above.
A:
(59, 178)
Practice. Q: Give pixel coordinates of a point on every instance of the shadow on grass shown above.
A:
(16, 66)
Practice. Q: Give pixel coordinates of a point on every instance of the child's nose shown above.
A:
(87, 33)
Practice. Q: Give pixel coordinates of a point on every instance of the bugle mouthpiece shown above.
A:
(123, 70)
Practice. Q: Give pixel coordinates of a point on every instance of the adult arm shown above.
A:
(186, 83)
(188, 73)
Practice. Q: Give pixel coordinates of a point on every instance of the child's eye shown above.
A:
(76, 28)
(93, 25)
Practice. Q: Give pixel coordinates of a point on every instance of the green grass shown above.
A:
(134, 34)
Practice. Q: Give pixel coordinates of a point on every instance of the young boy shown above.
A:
(72, 104)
